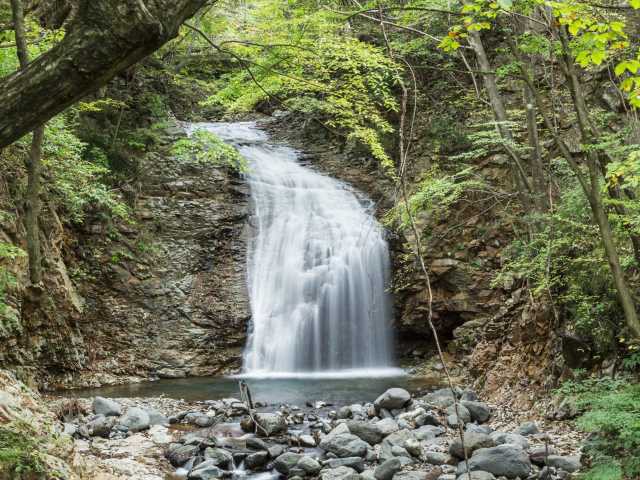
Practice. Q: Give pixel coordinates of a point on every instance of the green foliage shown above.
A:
(206, 147)
(77, 179)
(436, 194)
(20, 452)
(8, 254)
(301, 59)
(612, 417)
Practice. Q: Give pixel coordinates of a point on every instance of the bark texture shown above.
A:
(105, 37)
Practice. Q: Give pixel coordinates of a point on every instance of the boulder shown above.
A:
(270, 424)
(436, 458)
(387, 426)
(340, 473)
(538, 455)
(477, 475)
(501, 438)
(394, 445)
(428, 432)
(306, 441)
(452, 417)
(356, 463)
(219, 457)
(507, 460)
(98, 426)
(157, 418)
(309, 465)
(205, 471)
(255, 461)
(392, 398)
(480, 411)
(344, 445)
(367, 431)
(527, 428)
(386, 470)
(285, 462)
(106, 407)
(440, 398)
(568, 463)
(179, 454)
(472, 442)
(135, 419)
(412, 475)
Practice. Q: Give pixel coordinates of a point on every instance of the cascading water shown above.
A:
(318, 267)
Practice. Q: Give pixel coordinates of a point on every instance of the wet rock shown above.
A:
(472, 442)
(393, 398)
(568, 463)
(257, 444)
(507, 460)
(367, 431)
(344, 445)
(285, 462)
(270, 424)
(356, 463)
(135, 419)
(480, 411)
(219, 457)
(501, 438)
(309, 465)
(386, 470)
(307, 441)
(205, 471)
(340, 473)
(274, 451)
(527, 428)
(179, 454)
(106, 407)
(256, 460)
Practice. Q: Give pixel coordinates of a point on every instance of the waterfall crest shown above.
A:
(318, 267)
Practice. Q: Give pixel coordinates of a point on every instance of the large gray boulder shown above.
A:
(255, 461)
(452, 416)
(387, 426)
(396, 444)
(179, 454)
(310, 466)
(386, 470)
(480, 411)
(440, 398)
(219, 457)
(106, 407)
(367, 431)
(472, 442)
(135, 419)
(428, 432)
(527, 428)
(98, 426)
(392, 398)
(507, 460)
(340, 473)
(344, 445)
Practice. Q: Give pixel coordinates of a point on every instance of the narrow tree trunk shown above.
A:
(34, 163)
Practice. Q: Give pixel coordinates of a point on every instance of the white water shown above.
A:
(317, 272)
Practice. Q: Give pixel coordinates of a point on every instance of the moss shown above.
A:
(20, 458)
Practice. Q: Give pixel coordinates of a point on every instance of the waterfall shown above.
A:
(318, 267)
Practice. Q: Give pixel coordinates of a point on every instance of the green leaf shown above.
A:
(506, 4)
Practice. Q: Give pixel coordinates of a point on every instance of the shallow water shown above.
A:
(273, 391)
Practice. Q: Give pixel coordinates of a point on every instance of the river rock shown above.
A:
(219, 457)
(387, 426)
(179, 454)
(98, 426)
(274, 451)
(340, 473)
(501, 438)
(472, 442)
(135, 419)
(205, 471)
(394, 445)
(356, 463)
(387, 469)
(452, 417)
(285, 462)
(527, 428)
(270, 424)
(257, 460)
(428, 432)
(568, 463)
(440, 398)
(392, 398)
(309, 465)
(480, 411)
(367, 431)
(538, 455)
(507, 460)
(411, 475)
(157, 418)
(477, 475)
(344, 445)
(436, 458)
(106, 407)
(254, 443)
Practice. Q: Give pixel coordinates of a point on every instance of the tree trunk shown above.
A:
(104, 38)
(34, 163)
